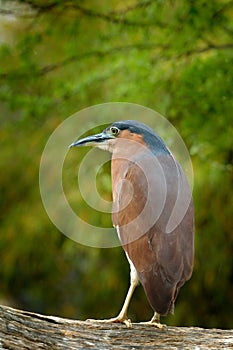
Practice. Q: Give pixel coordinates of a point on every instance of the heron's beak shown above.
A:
(93, 140)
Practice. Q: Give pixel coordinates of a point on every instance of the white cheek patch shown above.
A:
(106, 145)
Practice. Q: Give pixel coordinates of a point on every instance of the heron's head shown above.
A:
(111, 138)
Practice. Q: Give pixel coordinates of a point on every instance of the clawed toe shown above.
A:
(155, 324)
(118, 319)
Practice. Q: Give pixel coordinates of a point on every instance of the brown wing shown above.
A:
(154, 212)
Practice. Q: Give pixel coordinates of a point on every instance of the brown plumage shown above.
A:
(152, 212)
(163, 261)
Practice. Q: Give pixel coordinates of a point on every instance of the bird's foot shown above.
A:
(154, 324)
(118, 319)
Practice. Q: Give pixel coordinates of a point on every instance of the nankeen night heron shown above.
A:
(152, 213)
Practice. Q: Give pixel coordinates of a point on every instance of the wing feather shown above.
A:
(144, 201)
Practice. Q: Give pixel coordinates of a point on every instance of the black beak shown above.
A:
(93, 140)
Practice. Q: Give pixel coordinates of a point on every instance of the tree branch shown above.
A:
(89, 54)
(225, 7)
(131, 8)
(25, 9)
(102, 53)
(116, 17)
(26, 330)
(209, 47)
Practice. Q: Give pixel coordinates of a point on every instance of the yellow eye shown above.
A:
(114, 130)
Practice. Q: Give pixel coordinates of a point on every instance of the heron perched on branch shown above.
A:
(152, 213)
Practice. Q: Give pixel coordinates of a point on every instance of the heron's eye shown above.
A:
(114, 131)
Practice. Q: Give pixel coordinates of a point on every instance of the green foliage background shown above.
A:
(57, 57)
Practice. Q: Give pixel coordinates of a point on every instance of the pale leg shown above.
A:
(122, 317)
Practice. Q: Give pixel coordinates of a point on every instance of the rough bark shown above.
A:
(26, 330)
